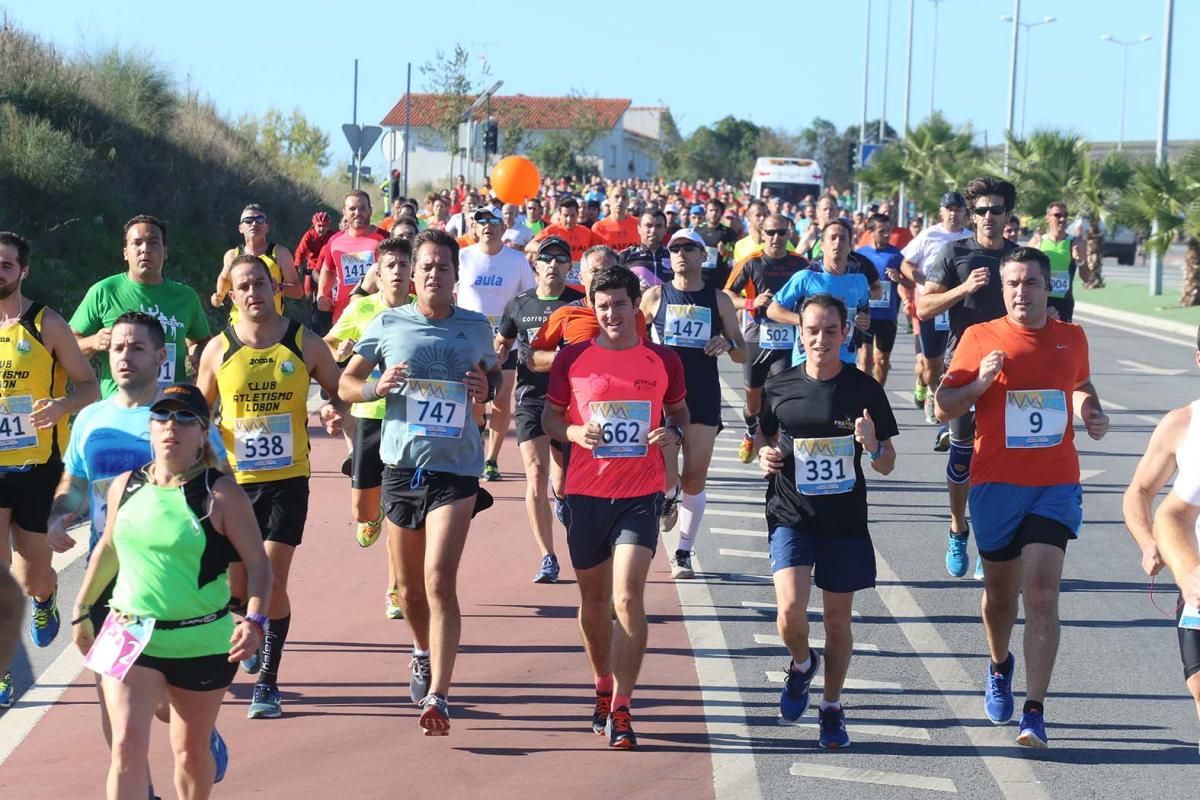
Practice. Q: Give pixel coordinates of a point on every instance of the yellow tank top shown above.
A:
(28, 372)
(276, 275)
(264, 407)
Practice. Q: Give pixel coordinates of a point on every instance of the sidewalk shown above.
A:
(520, 703)
(1133, 303)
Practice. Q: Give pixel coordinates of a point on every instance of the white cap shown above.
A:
(687, 234)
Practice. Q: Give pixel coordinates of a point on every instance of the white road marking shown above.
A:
(80, 534)
(726, 551)
(739, 532)
(1147, 369)
(871, 728)
(18, 721)
(878, 777)
(1109, 405)
(1088, 474)
(719, 512)
(775, 639)
(811, 609)
(883, 687)
(755, 498)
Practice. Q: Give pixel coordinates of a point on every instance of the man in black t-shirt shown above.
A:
(817, 421)
(718, 244)
(965, 280)
(523, 317)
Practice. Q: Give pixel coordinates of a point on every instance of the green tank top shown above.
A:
(1059, 254)
(173, 564)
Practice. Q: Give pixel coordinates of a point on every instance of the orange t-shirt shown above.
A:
(572, 324)
(1024, 421)
(618, 235)
(579, 237)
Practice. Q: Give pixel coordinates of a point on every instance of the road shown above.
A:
(707, 705)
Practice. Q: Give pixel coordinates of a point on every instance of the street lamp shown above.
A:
(1125, 44)
(1028, 26)
(933, 61)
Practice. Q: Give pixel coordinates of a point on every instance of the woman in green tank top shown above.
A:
(173, 527)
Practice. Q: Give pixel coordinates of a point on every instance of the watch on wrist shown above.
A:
(260, 620)
(678, 432)
(877, 452)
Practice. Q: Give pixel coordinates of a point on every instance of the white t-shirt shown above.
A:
(926, 245)
(486, 283)
(1187, 457)
(518, 235)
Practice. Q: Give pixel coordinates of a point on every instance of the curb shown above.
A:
(1141, 320)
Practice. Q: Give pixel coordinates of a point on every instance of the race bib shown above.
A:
(436, 408)
(573, 275)
(166, 373)
(942, 321)
(776, 336)
(1191, 618)
(263, 443)
(118, 644)
(531, 333)
(749, 325)
(687, 326)
(1060, 282)
(355, 266)
(824, 466)
(710, 258)
(16, 429)
(1035, 418)
(624, 428)
(885, 299)
(495, 323)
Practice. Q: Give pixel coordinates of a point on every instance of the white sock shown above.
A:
(826, 705)
(673, 495)
(419, 652)
(691, 514)
(804, 667)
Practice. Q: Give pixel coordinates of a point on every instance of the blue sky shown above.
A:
(779, 69)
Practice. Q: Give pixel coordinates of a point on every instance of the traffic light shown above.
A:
(851, 153)
(491, 137)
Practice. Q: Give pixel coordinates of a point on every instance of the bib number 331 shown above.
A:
(824, 466)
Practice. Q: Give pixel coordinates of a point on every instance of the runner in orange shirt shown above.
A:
(569, 230)
(618, 229)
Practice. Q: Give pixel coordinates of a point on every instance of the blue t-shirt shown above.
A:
(106, 441)
(428, 423)
(851, 288)
(888, 306)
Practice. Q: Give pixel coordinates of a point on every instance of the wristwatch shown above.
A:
(678, 432)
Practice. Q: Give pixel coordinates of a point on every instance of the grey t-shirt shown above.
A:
(429, 422)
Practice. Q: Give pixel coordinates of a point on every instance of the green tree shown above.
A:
(568, 152)
(293, 143)
(1046, 167)
(726, 150)
(456, 84)
(934, 159)
(1168, 195)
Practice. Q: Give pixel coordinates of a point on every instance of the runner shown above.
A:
(516, 234)
(1066, 257)
(575, 322)
(255, 227)
(609, 409)
(38, 356)
(173, 526)
(347, 255)
(533, 215)
(756, 215)
(769, 344)
(394, 265)
(699, 324)
(490, 276)
(964, 280)
(649, 259)
(1028, 376)
(829, 414)
(919, 256)
(875, 356)
(434, 358)
(108, 438)
(1172, 536)
(308, 254)
(522, 321)
(719, 242)
(568, 229)
(618, 230)
(143, 288)
(260, 368)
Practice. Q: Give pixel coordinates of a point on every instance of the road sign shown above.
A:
(361, 137)
(390, 145)
(868, 150)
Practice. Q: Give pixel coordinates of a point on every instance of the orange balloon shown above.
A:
(515, 179)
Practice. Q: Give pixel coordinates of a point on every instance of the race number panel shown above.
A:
(942, 321)
(166, 373)
(624, 428)
(776, 336)
(824, 466)
(436, 408)
(1035, 418)
(118, 644)
(687, 326)
(573, 274)
(710, 258)
(263, 443)
(885, 299)
(16, 429)
(1060, 282)
(355, 266)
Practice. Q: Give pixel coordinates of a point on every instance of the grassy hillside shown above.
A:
(88, 142)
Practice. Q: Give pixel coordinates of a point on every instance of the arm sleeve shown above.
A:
(558, 391)
(739, 277)
(768, 423)
(942, 271)
(881, 413)
(368, 345)
(964, 366)
(73, 460)
(1085, 365)
(863, 303)
(793, 292)
(508, 325)
(86, 319)
(549, 336)
(865, 267)
(676, 385)
(912, 251)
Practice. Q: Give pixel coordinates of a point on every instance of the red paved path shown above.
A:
(520, 702)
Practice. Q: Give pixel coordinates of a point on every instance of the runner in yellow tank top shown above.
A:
(38, 353)
(254, 225)
(259, 369)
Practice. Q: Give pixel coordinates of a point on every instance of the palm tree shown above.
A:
(1168, 195)
(1101, 185)
(934, 159)
(1046, 167)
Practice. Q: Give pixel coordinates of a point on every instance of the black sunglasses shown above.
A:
(683, 248)
(776, 232)
(253, 219)
(1059, 216)
(179, 416)
(981, 211)
(550, 257)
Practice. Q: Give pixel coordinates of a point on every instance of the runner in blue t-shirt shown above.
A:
(833, 279)
(111, 437)
(875, 357)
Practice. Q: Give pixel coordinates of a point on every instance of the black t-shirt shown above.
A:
(822, 415)
(523, 317)
(721, 240)
(953, 266)
(657, 261)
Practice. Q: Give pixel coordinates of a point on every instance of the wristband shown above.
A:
(749, 304)
(260, 620)
(678, 432)
(491, 392)
(877, 452)
(732, 344)
(84, 617)
(370, 391)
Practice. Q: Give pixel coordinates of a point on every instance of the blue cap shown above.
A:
(697, 209)
(953, 199)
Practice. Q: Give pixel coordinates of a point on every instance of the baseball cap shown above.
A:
(671, 208)
(182, 395)
(553, 243)
(953, 199)
(488, 215)
(697, 209)
(688, 235)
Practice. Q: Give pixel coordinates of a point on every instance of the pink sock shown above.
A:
(621, 701)
(604, 684)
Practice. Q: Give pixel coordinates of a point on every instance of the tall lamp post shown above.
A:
(1156, 259)
(1125, 45)
(1028, 26)
(933, 60)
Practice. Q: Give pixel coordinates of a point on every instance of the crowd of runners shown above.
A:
(593, 321)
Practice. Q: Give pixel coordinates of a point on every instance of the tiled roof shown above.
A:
(532, 113)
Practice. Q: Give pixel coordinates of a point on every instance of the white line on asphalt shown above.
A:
(718, 512)
(750, 498)
(1147, 369)
(1135, 330)
(872, 728)
(811, 609)
(1088, 474)
(18, 721)
(747, 471)
(1110, 405)
(727, 551)
(739, 532)
(775, 639)
(1014, 776)
(801, 770)
(734, 459)
(884, 687)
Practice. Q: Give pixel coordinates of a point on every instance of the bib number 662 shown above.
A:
(620, 432)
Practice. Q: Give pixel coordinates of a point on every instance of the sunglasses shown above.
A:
(981, 211)
(776, 232)
(1059, 216)
(178, 416)
(683, 248)
(260, 218)
(559, 259)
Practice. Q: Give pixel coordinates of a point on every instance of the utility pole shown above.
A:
(903, 218)
(1156, 259)
(1012, 78)
(862, 127)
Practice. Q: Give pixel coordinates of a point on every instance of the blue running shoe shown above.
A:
(43, 623)
(998, 696)
(265, 703)
(832, 722)
(220, 755)
(1033, 731)
(793, 700)
(548, 572)
(978, 568)
(8, 692)
(252, 664)
(956, 554)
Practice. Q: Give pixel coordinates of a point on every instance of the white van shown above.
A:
(793, 179)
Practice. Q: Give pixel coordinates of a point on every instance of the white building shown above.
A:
(625, 150)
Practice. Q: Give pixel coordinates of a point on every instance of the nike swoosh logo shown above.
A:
(1061, 346)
